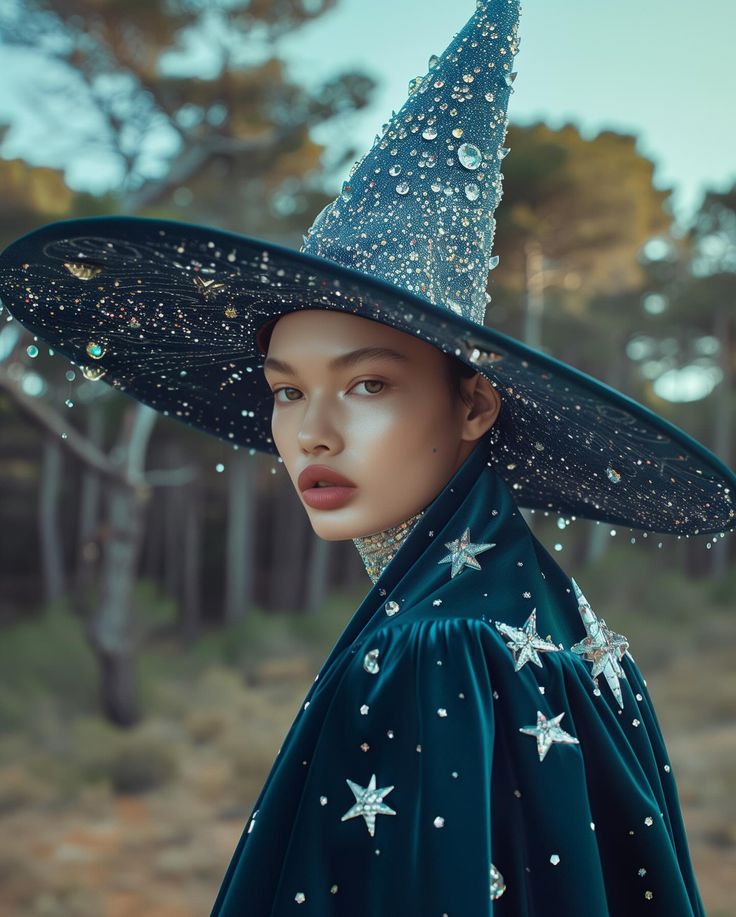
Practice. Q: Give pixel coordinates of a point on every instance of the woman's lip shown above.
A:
(327, 497)
(313, 474)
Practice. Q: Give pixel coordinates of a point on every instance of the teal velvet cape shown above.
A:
(406, 787)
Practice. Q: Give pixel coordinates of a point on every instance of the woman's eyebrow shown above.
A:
(345, 359)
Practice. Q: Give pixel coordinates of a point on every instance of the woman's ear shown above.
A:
(481, 406)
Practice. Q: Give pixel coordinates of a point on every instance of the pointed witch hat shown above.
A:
(178, 315)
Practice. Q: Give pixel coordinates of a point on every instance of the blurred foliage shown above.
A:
(131, 763)
(590, 204)
(230, 147)
(45, 658)
(42, 658)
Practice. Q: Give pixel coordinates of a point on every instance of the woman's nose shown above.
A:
(318, 426)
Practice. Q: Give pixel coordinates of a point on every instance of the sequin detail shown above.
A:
(370, 662)
(378, 550)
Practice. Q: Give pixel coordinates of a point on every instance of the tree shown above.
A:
(239, 155)
(697, 283)
(110, 627)
(239, 149)
(575, 241)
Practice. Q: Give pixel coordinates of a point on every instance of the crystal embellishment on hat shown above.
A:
(82, 271)
(95, 350)
(469, 155)
(92, 373)
(477, 355)
(422, 198)
(208, 288)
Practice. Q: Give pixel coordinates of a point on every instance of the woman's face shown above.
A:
(391, 425)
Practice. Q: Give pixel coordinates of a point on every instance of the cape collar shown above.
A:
(378, 550)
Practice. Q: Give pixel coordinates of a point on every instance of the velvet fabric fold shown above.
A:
(455, 757)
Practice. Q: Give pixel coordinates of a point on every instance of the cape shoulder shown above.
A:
(398, 783)
(417, 780)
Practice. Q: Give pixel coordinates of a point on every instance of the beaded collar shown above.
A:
(376, 551)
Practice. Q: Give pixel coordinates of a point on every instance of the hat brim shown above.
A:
(136, 317)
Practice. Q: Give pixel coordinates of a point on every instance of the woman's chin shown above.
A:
(334, 533)
(340, 525)
(335, 529)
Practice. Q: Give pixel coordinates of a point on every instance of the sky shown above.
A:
(663, 70)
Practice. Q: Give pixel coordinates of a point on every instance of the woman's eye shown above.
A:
(371, 382)
(286, 388)
(367, 382)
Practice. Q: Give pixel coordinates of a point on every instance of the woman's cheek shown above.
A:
(376, 422)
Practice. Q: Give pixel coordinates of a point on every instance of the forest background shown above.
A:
(152, 653)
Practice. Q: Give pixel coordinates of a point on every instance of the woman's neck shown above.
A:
(378, 550)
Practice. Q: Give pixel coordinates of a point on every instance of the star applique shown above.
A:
(603, 647)
(462, 553)
(547, 732)
(498, 886)
(526, 641)
(368, 803)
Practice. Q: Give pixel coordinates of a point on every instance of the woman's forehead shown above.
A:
(316, 328)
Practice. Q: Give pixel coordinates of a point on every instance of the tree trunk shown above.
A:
(723, 425)
(173, 525)
(190, 606)
(533, 309)
(152, 562)
(597, 541)
(239, 558)
(616, 377)
(111, 630)
(88, 548)
(52, 558)
(288, 552)
(318, 571)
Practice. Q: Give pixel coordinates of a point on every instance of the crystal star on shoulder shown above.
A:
(548, 731)
(603, 647)
(462, 553)
(526, 641)
(368, 803)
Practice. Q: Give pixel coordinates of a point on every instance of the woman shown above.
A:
(449, 759)
(478, 741)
